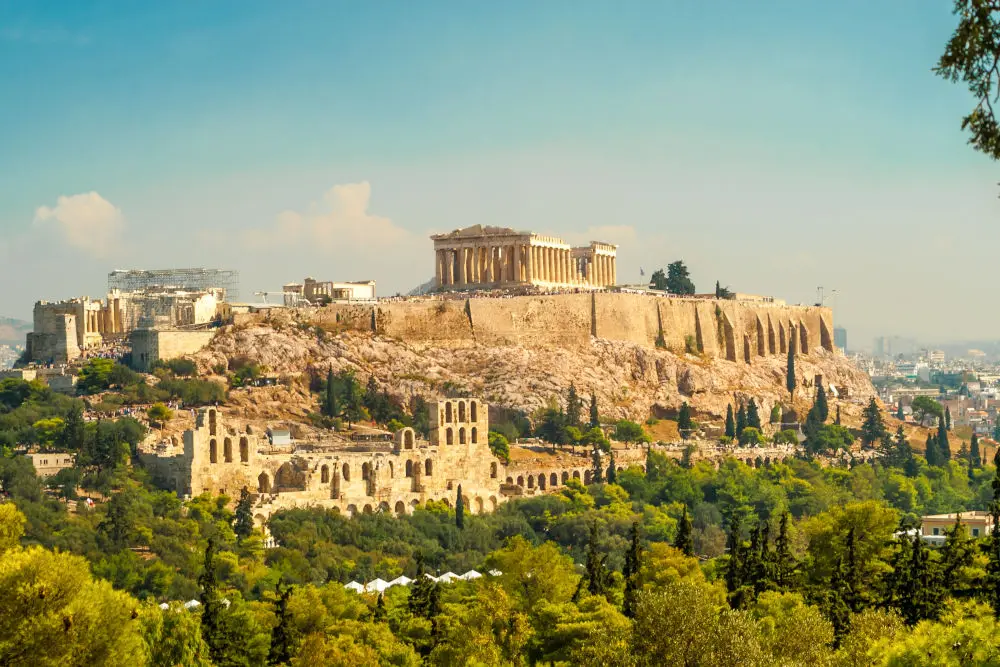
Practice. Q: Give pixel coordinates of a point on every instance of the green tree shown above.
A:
(460, 510)
(597, 472)
(822, 408)
(631, 572)
(283, 635)
(784, 560)
(975, 457)
(734, 565)
(684, 424)
(331, 405)
(595, 420)
(678, 278)
(790, 365)
(931, 450)
(958, 555)
(499, 446)
(741, 419)
(243, 515)
(573, 407)
(612, 475)
(629, 432)
(899, 410)
(775, 417)
(992, 589)
(947, 418)
(160, 414)
(873, 428)
(925, 405)
(212, 626)
(730, 422)
(683, 541)
(753, 415)
(944, 448)
(597, 575)
(658, 280)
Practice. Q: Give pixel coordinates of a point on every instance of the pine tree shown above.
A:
(735, 562)
(243, 516)
(753, 415)
(597, 469)
(283, 634)
(730, 422)
(460, 510)
(822, 408)
(993, 565)
(873, 427)
(422, 592)
(854, 593)
(73, 436)
(597, 578)
(612, 475)
(837, 419)
(595, 419)
(925, 595)
(899, 411)
(897, 581)
(947, 418)
(931, 450)
(211, 606)
(683, 541)
(632, 571)
(901, 454)
(573, 406)
(741, 420)
(784, 561)
(380, 612)
(684, 419)
(957, 554)
(975, 457)
(944, 449)
(331, 407)
(790, 368)
(835, 606)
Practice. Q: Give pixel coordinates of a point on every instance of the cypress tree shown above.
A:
(380, 612)
(612, 475)
(684, 419)
(784, 561)
(790, 367)
(460, 510)
(741, 420)
(734, 564)
(753, 416)
(835, 606)
(931, 450)
(957, 554)
(423, 601)
(899, 411)
(898, 580)
(902, 454)
(243, 516)
(330, 405)
(947, 418)
(595, 420)
(873, 427)
(924, 598)
(631, 572)
(211, 607)
(975, 457)
(993, 565)
(944, 449)
(837, 419)
(573, 406)
(730, 422)
(854, 594)
(683, 541)
(597, 468)
(283, 634)
(596, 576)
(822, 408)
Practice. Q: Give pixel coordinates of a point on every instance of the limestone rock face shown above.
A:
(629, 380)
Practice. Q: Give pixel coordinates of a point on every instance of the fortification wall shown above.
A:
(563, 320)
(425, 321)
(151, 345)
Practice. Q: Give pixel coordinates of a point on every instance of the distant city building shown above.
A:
(933, 528)
(47, 465)
(936, 356)
(840, 338)
(318, 292)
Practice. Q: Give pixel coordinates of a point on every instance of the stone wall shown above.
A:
(151, 345)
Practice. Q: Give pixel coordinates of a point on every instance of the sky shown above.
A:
(775, 146)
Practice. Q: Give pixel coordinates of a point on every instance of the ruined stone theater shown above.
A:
(354, 477)
(478, 257)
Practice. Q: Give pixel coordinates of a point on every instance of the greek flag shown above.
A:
(641, 272)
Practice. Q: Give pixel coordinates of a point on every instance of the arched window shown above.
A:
(553, 480)
(408, 439)
(447, 412)
(576, 474)
(346, 473)
(461, 411)
(263, 483)
(366, 471)
(541, 481)
(510, 480)
(473, 412)
(400, 508)
(324, 474)
(244, 450)
(227, 450)
(565, 477)
(213, 451)
(586, 477)
(449, 437)
(493, 470)
(428, 467)
(520, 480)
(461, 435)
(409, 468)
(531, 482)
(474, 435)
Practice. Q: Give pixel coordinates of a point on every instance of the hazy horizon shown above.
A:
(774, 148)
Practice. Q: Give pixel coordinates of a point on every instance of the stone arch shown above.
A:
(324, 474)
(493, 502)
(259, 519)
(383, 507)
(770, 336)
(520, 480)
(541, 481)
(803, 339)
(408, 439)
(288, 478)
(461, 435)
(576, 474)
(761, 341)
(227, 450)
(449, 436)
(414, 504)
(263, 483)
(448, 413)
(446, 501)
(461, 412)
(409, 468)
(479, 505)
(213, 422)
(400, 508)
(493, 470)
(244, 450)
(510, 480)
(352, 511)
(346, 472)
(367, 509)
(531, 482)
(474, 436)
(565, 477)
(213, 451)
(553, 480)
(746, 349)
(586, 477)
(428, 467)
(366, 471)
(473, 412)
(767, 461)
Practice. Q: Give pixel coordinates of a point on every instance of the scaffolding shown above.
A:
(134, 280)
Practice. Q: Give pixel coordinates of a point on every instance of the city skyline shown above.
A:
(774, 149)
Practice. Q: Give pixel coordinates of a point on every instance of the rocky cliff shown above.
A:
(630, 380)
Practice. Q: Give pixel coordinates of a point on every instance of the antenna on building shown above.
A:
(819, 295)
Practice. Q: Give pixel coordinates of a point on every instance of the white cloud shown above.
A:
(87, 221)
(340, 219)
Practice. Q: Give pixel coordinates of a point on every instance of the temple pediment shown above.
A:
(476, 231)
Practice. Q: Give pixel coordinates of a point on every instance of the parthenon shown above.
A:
(479, 256)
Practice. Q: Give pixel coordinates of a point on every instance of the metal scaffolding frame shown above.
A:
(133, 280)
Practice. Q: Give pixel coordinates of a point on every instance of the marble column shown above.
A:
(614, 270)
(438, 269)
(449, 268)
(463, 276)
(530, 268)
(516, 253)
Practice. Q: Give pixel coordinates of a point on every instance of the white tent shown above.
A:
(376, 586)
(470, 575)
(401, 580)
(355, 586)
(164, 606)
(448, 577)
(191, 604)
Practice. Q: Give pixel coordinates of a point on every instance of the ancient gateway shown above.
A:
(356, 478)
(481, 256)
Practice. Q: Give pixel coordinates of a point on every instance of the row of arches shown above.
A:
(460, 411)
(367, 469)
(476, 505)
(543, 481)
(449, 436)
(227, 450)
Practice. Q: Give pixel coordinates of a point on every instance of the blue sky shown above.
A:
(775, 146)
